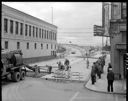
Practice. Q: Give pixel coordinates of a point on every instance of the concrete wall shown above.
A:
(118, 38)
(117, 55)
(15, 15)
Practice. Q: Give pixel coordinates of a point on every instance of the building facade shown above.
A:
(117, 33)
(35, 37)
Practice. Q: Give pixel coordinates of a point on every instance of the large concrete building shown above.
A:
(114, 23)
(35, 37)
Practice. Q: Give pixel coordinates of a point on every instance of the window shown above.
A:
(26, 30)
(35, 46)
(5, 25)
(40, 33)
(55, 46)
(51, 46)
(21, 28)
(124, 14)
(41, 46)
(55, 36)
(33, 31)
(27, 45)
(123, 37)
(29, 30)
(51, 35)
(11, 26)
(45, 34)
(18, 45)
(36, 32)
(17, 27)
(47, 46)
(6, 44)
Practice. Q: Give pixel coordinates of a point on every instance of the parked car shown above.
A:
(73, 53)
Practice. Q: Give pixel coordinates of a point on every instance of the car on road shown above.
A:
(73, 52)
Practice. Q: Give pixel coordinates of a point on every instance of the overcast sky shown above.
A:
(74, 20)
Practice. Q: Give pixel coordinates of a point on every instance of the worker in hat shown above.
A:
(110, 78)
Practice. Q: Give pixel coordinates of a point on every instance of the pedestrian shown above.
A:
(66, 62)
(96, 68)
(36, 69)
(87, 63)
(59, 65)
(93, 74)
(67, 71)
(50, 69)
(109, 66)
(103, 64)
(99, 71)
(110, 78)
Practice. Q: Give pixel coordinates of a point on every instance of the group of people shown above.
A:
(97, 68)
(65, 67)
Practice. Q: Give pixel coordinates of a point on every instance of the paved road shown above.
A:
(32, 89)
(37, 89)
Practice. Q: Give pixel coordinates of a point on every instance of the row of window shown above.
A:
(123, 10)
(29, 30)
(27, 45)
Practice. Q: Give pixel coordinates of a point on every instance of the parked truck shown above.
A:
(12, 64)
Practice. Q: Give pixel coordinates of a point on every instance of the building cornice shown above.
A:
(4, 7)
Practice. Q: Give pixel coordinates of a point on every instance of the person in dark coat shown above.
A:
(109, 67)
(93, 74)
(99, 71)
(96, 68)
(50, 69)
(110, 78)
(66, 62)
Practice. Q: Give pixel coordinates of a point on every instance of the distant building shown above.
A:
(114, 22)
(35, 37)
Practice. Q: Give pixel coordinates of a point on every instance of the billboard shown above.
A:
(98, 30)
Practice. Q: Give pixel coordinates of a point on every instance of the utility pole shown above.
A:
(52, 15)
(102, 44)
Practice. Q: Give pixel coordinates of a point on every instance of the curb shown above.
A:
(103, 91)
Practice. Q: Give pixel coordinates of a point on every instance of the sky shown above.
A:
(74, 20)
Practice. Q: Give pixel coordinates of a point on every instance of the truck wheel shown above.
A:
(16, 76)
(22, 75)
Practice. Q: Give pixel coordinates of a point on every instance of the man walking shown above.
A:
(99, 71)
(87, 63)
(110, 78)
(93, 74)
(66, 62)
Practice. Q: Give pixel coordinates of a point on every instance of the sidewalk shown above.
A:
(101, 84)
